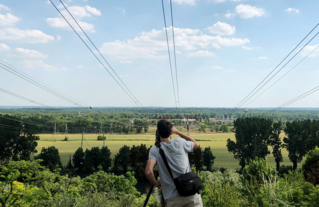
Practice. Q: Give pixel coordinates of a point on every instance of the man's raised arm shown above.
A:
(184, 136)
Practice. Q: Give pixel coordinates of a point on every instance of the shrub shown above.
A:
(218, 195)
(285, 170)
(311, 166)
(101, 137)
(37, 137)
(66, 139)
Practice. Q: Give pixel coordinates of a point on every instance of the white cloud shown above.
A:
(79, 13)
(93, 10)
(8, 19)
(309, 49)
(222, 28)
(229, 15)
(4, 7)
(217, 67)
(292, 10)
(58, 37)
(153, 44)
(26, 36)
(63, 68)
(190, 2)
(121, 10)
(81, 66)
(29, 53)
(246, 11)
(262, 58)
(37, 64)
(4, 47)
(61, 23)
(201, 53)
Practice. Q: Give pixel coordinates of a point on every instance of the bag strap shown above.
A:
(165, 161)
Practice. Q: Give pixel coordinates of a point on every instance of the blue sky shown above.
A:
(224, 49)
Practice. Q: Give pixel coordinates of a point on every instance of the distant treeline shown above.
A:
(137, 120)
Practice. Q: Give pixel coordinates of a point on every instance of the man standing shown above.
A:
(176, 152)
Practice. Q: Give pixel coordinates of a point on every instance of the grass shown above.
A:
(217, 142)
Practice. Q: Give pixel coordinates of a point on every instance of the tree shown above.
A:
(92, 160)
(106, 160)
(138, 159)
(311, 166)
(252, 138)
(50, 158)
(121, 160)
(225, 128)
(78, 159)
(196, 158)
(276, 143)
(216, 128)
(295, 142)
(146, 126)
(212, 128)
(17, 143)
(138, 124)
(208, 158)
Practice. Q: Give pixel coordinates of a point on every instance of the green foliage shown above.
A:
(18, 143)
(275, 142)
(202, 128)
(138, 160)
(121, 160)
(216, 128)
(208, 158)
(104, 182)
(252, 139)
(257, 170)
(106, 160)
(212, 128)
(78, 159)
(50, 158)
(311, 166)
(196, 158)
(101, 137)
(225, 128)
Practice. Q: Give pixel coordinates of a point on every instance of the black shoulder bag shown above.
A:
(187, 184)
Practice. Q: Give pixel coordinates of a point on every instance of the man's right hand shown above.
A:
(175, 131)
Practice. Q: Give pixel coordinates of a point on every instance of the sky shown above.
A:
(224, 49)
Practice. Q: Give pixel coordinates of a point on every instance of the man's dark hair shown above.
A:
(164, 128)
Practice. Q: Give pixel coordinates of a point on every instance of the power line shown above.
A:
(44, 84)
(274, 74)
(21, 97)
(135, 101)
(297, 98)
(284, 75)
(100, 53)
(240, 103)
(33, 81)
(179, 105)
(169, 54)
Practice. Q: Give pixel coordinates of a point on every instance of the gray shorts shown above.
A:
(189, 201)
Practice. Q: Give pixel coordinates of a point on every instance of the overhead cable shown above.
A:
(284, 75)
(35, 82)
(135, 101)
(178, 100)
(21, 97)
(249, 95)
(169, 53)
(297, 98)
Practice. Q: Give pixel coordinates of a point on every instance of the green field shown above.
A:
(217, 142)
